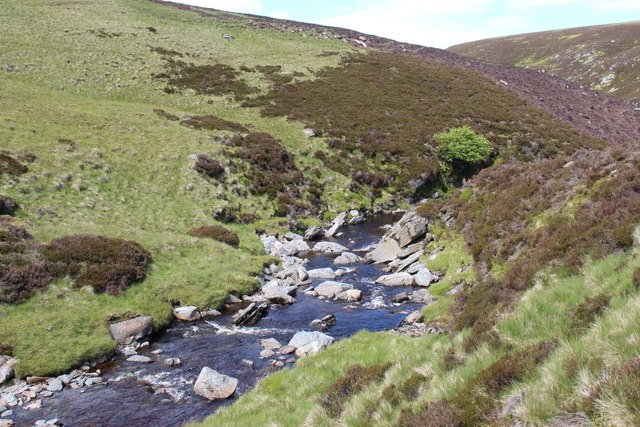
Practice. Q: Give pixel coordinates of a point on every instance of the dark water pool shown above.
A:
(156, 395)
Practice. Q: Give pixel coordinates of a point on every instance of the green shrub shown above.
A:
(462, 146)
(353, 381)
(218, 233)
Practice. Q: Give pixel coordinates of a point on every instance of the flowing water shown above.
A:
(153, 394)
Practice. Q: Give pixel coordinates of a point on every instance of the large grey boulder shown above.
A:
(347, 258)
(321, 273)
(310, 343)
(329, 247)
(423, 277)
(187, 314)
(385, 251)
(213, 385)
(337, 223)
(331, 289)
(396, 279)
(278, 294)
(409, 228)
(131, 330)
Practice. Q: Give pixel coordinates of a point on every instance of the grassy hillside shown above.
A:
(144, 122)
(602, 58)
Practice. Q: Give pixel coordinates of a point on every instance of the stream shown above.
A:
(153, 394)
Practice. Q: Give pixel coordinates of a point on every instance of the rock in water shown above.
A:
(310, 343)
(337, 223)
(396, 279)
(131, 330)
(213, 385)
(139, 359)
(314, 233)
(250, 315)
(329, 247)
(331, 289)
(385, 251)
(347, 258)
(321, 273)
(187, 314)
(326, 322)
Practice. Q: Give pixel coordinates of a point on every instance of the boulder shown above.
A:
(293, 236)
(337, 223)
(250, 315)
(55, 385)
(422, 297)
(321, 273)
(331, 289)
(396, 279)
(314, 233)
(355, 217)
(415, 317)
(6, 368)
(213, 385)
(277, 294)
(309, 343)
(385, 251)
(347, 258)
(188, 314)
(290, 248)
(329, 247)
(325, 323)
(131, 330)
(268, 242)
(423, 277)
(409, 228)
(310, 133)
(350, 295)
(401, 297)
(410, 250)
(172, 361)
(408, 261)
(270, 344)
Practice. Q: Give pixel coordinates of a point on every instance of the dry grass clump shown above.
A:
(349, 384)
(477, 402)
(11, 166)
(211, 122)
(216, 232)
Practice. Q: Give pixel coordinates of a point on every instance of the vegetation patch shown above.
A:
(585, 313)
(211, 122)
(7, 205)
(381, 112)
(107, 265)
(462, 149)
(477, 402)
(353, 381)
(406, 391)
(208, 166)
(218, 233)
(11, 166)
(272, 169)
(171, 117)
(217, 80)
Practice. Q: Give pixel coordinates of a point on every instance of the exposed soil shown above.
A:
(600, 115)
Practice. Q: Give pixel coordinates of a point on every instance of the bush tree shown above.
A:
(462, 148)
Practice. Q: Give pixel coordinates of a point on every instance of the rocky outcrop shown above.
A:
(213, 385)
(128, 331)
(310, 343)
(408, 229)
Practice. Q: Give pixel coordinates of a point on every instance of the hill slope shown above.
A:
(602, 58)
(152, 120)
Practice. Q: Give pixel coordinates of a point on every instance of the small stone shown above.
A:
(247, 362)
(139, 359)
(172, 361)
(35, 405)
(401, 297)
(46, 394)
(158, 351)
(270, 344)
(287, 349)
(266, 353)
(7, 413)
(210, 314)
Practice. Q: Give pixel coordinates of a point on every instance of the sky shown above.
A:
(439, 23)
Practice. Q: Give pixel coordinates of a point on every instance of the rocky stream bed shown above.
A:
(356, 274)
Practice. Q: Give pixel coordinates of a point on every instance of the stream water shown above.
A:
(135, 394)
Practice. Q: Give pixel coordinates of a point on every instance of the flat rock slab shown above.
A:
(396, 279)
(331, 289)
(329, 247)
(139, 359)
(385, 252)
(322, 273)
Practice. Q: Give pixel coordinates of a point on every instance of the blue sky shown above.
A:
(440, 23)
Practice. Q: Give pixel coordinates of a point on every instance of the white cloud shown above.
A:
(281, 14)
(431, 23)
(241, 6)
